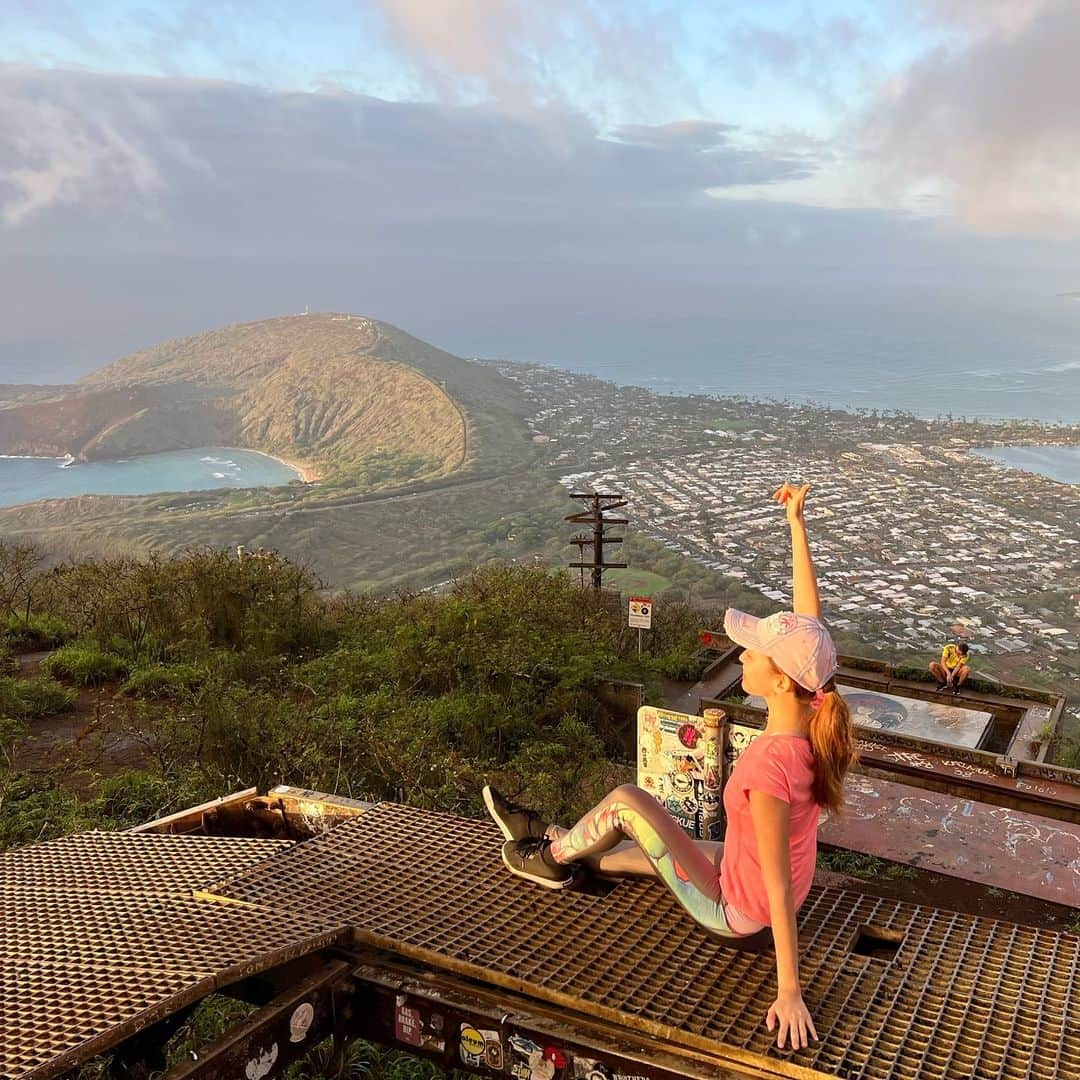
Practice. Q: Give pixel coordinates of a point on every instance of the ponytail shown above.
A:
(832, 737)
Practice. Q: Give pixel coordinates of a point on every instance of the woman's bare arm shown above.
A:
(804, 590)
(772, 819)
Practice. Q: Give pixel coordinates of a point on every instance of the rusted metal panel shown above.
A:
(461, 1026)
(991, 845)
(104, 934)
(123, 862)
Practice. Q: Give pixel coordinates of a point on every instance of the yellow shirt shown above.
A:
(952, 657)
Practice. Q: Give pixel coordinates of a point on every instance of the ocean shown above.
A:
(25, 479)
(1060, 463)
(995, 354)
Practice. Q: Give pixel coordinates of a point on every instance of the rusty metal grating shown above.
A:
(962, 997)
(101, 935)
(140, 862)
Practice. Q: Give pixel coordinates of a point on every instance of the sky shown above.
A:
(453, 164)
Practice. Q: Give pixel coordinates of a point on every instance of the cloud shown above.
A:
(206, 162)
(55, 149)
(984, 16)
(821, 56)
(521, 53)
(988, 122)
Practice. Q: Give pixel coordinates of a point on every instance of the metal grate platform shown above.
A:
(133, 862)
(101, 935)
(104, 933)
(960, 997)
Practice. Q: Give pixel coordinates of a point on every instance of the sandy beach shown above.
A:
(308, 473)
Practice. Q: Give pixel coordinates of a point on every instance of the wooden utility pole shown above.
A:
(599, 504)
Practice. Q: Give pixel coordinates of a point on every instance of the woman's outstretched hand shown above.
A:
(792, 498)
(790, 1013)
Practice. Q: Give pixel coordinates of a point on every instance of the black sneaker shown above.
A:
(532, 859)
(941, 686)
(515, 822)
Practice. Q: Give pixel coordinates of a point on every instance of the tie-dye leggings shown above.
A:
(628, 813)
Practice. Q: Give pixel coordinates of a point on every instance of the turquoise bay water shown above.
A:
(25, 479)
(1058, 462)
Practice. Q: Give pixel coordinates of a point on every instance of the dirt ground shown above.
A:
(82, 745)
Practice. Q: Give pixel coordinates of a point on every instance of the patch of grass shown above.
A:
(163, 680)
(85, 664)
(854, 863)
(862, 865)
(633, 582)
(36, 632)
(899, 870)
(34, 808)
(29, 699)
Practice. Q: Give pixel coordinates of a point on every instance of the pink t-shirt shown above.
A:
(780, 765)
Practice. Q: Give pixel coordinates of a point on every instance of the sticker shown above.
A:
(408, 1027)
(689, 735)
(258, 1067)
(432, 1039)
(589, 1069)
(534, 1062)
(682, 783)
(493, 1050)
(300, 1022)
(471, 1045)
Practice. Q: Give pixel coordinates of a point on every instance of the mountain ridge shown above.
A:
(329, 391)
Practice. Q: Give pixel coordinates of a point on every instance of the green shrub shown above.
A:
(27, 699)
(163, 680)
(914, 671)
(678, 664)
(12, 732)
(36, 632)
(35, 808)
(136, 796)
(86, 664)
(1068, 753)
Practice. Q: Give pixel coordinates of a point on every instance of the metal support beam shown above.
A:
(283, 1031)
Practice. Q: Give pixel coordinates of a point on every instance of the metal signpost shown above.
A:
(640, 616)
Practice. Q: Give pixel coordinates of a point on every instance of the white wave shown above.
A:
(1069, 365)
(218, 475)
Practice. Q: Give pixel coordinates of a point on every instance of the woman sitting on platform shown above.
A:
(762, 872)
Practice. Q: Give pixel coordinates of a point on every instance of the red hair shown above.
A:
(832, 737)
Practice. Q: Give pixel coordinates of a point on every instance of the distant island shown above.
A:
(1070, 295)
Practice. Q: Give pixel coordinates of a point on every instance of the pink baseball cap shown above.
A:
(799, 645)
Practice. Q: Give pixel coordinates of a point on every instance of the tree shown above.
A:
(18, 569)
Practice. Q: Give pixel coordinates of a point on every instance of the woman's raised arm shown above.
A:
(804, 588)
